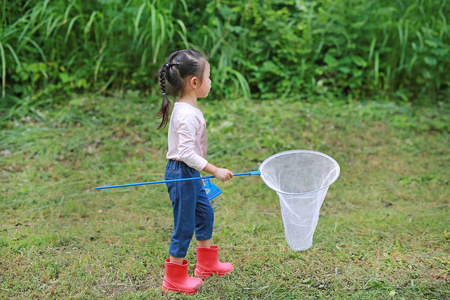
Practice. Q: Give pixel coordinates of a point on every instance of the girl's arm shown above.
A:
(220, 173)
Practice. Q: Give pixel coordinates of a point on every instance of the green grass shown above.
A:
(383, 232)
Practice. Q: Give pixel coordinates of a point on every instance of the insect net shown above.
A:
(301, 179)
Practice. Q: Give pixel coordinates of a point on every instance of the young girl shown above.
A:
(188, 75)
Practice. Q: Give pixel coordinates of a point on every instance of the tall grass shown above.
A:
(50, 47)
(264, 49)
(393, 49)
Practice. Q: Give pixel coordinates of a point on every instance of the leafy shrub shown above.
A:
(263, 49)
(349, 48)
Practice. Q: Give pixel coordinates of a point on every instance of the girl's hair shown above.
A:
(179, 65)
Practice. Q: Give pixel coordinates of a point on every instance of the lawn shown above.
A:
(383, 232)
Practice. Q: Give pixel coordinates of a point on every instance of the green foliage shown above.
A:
(261, 49)
(350, 48)
(53, 47)
(391, 46)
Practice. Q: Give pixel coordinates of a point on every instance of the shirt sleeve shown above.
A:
(187, 126)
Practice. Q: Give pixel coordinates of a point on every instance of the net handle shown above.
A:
(257, 172)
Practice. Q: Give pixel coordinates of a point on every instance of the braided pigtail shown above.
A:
(180, 64)
(164, 111)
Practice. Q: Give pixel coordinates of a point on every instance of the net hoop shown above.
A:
(337, 168)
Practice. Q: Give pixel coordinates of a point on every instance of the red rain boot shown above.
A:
(208, 263)
(177, 279)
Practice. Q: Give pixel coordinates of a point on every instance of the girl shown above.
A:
(188, 75)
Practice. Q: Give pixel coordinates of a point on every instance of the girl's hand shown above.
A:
(220, 173)
(223, 174)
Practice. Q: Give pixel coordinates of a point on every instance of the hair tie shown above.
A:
(164, 94)
(170, 65)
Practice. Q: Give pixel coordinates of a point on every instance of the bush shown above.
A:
(261, 49)
(348, 48)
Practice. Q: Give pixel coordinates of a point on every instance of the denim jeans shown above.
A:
(191, 208)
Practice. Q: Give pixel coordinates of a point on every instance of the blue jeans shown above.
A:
(191, 208)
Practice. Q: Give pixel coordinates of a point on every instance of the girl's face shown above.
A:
(205, 87)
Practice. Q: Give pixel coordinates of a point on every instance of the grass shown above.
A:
(379, 49)
(383, 231)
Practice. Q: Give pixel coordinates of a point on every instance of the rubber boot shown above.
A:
(177, 279)
(208, 263)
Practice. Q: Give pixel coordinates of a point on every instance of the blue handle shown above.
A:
(212, 191)
(257, 172)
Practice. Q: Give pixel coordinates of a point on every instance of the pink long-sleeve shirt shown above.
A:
(187, 137)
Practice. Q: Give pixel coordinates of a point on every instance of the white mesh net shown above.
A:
(301, 179)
